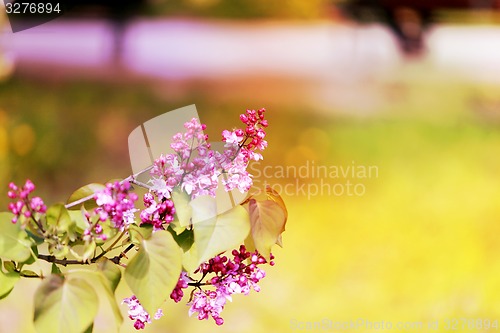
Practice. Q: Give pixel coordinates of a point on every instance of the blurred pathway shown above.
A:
(180, 49)
(320, 66)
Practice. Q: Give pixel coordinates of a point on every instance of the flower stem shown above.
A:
(111, 246)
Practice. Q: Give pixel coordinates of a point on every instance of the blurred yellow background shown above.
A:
(418, 247)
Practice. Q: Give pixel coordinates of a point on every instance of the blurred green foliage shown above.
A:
(242, 9)
(56, 133)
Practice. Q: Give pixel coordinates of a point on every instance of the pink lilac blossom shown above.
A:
(196, 168)
(232, 276)
(117, 204)
(236, 174)
(94, 230)
(231, 138)
(183, 283)
(201, 177)
(160, 187)
(208, 303)
(23, 207)
(231, 271)
(136, 312)
(158, 212)
(255, 133)
(168, 168)
(241, 148)
(192, 166)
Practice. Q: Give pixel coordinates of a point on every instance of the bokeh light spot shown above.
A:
(4, 143)
(23, 139)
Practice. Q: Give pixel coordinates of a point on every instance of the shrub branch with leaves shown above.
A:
(180, 244)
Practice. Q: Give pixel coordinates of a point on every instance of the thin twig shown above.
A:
(116, 259)
(198, 284)
(111, 246)
(141, 184)
(89, 197)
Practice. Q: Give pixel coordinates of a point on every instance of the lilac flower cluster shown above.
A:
(238, 275)
(157, 213)
(136, 312)
(117, 204)
(231, 277)
(241, 146)
(208, 303)
(196, 168)
(183, 283)
(23, 206)
(191, 167)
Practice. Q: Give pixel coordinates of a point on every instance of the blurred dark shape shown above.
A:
(118, 12)
(409, 19)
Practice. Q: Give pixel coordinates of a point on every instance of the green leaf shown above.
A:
(79, 219)
(185, 239)
(67, 306)
(28, 273)
(268, 222)
(137, 234)
(33, 257)
(57, 215)
(104, 281)
(90, 329)
(7, 282)
(218, 233)
(110, 278)
(60, 251)
(110, 271)
(55, 269)
(60, 222)
(182, 210)
(154, 271)
(249, 244)
(36, 238)
(203, 208)
(84, 192)
(89, 251)
(190, 260)
(9, 266)
(14, 242)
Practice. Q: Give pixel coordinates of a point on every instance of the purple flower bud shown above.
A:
(29, 186)
(98, 229)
